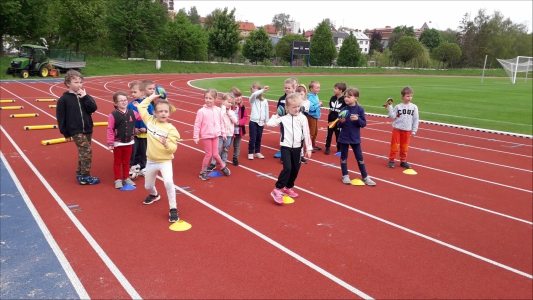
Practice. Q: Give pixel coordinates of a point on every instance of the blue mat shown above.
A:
(214, 174)
(128, 187)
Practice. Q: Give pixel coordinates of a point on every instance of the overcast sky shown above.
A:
(367, 14)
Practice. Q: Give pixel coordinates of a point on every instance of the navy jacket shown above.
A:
(351, 130)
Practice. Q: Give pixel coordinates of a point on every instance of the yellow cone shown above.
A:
(180, 226)
(410, 172)
(357, 181)
(287, 200)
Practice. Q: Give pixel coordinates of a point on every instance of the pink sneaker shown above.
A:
(277, 196)
(289, 192)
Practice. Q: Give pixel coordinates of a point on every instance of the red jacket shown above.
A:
(242, 116)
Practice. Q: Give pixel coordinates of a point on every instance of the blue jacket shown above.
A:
(351, 130)
(314, 107)
(140, 124)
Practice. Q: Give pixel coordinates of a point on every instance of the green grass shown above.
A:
(494, 104)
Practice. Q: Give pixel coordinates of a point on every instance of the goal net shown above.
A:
(520, 64)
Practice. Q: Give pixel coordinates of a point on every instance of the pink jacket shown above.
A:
(208, 123)
(229, 121)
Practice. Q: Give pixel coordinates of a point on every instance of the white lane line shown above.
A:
(74, 279)
(477, 137)
(101, 253)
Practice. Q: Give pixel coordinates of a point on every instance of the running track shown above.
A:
(461, 228)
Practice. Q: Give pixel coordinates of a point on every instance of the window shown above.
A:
(365, 49)
(361, 42)
(340, 41)
(366, 42)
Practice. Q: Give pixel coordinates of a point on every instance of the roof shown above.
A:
(270, 29)
(309, 33)
(246, 26)
(34, 46)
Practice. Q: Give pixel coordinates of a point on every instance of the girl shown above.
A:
(208, 127)
(351, 135)
(304, 109)
(162, 143)
(294, 131)
(229, 120)
(258, 118)
(240, 130)
(120, 134)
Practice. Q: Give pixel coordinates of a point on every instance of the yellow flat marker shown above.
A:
(54, 141)
(410, 172)
(11, 107)
(287, 200)
(357, 181)
(52, 106)
(100, 124)
(24, 115)
(180, 226)
(7, 101)
(37, 127)
(46, 100)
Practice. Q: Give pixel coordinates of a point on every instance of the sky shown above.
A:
(440, 15)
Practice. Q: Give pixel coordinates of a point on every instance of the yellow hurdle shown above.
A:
(54, 141)
(52, 106)
(100, 124)
(11, 107)
(7, 101)
(46, 100)
(24, 115)
(36, 127)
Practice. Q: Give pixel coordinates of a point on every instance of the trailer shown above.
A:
(65, 59)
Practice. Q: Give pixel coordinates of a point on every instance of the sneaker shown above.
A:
(134, 171)
(204, 176)
(118, 183)
(250, 156)
(226, 171)
(210, 168)
(129, 181)
(368, 181)
(326, 151)
(151, 199)
(277, 196)
(259, 155)
(391, 164)
(289, 192)
(173, 214)
(78, 177)
(235, 162)
(346, 179)
(277, 155)
(303, 160)
(83, 180)
(142, 171)
(405, 164)
(317, 148)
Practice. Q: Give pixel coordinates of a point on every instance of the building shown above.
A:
(245, 28)
(386, 32)
(170, 4)
(294, 26)
(271, 30)
(362, 40)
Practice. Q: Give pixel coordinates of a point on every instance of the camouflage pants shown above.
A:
(85, 154)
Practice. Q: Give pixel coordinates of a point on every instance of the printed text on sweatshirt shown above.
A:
(405, 117)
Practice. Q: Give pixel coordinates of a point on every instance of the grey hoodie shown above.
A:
(405, 117)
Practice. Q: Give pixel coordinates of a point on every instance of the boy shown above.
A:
(336, 104)
(74, 120)
(288, 86)
(240, 130)
(314, 112)
(405, 125)
(138, 154)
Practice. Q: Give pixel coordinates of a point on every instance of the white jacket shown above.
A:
(294, 130)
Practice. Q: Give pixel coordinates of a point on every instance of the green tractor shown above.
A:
(32, 60)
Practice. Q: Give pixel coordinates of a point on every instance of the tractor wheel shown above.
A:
(43, 72)
(9, 71)
(24, 74)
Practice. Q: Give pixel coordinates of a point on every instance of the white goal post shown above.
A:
(514, 65)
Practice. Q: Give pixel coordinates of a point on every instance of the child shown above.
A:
(138, 153)
(162, 143)
(208, 127)
(294, 131)
(120, 133)
(351, 135)
(74, 120)
(149, 88)
(304, 109)
(314, 111)
(258, 118)
(405, 125)
(229, 120)
(336, 104)
(288, 86)
(240, 130)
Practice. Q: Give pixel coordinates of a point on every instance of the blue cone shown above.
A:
(214, 174)
(277, 155)
(128, 187)
(338, 154)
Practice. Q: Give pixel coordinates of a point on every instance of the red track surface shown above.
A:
(461, 228)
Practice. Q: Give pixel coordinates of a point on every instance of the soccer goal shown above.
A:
(517, 65)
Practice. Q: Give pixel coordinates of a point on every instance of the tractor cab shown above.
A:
(32, 60)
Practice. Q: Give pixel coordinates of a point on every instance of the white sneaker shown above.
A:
(141, 172)
(259, 155)
(368, 181)
(250, 156)
(346, 179)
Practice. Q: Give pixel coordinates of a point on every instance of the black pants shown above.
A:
(331, 131)
(291, 165)
(138, 152)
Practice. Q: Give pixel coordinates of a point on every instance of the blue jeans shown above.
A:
(223, 148)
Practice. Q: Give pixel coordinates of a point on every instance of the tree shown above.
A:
(258, 46)
(375, 43)
(330, 24)
(184, 40)
(146, 30)
(409, 31)
(284, 46)
(446, 52)
(406, 49)
(349, 54)
(449, 35)
(81, 21)
(193, 16)
(430, 38)
(323, 50)
(394, 38)
(224, 37)
(281, 23)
